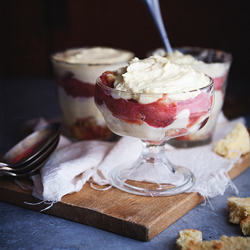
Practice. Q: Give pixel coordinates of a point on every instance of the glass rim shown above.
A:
(53, 59)
(99, 82)
(228, 55)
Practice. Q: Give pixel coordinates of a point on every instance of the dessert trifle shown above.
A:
(76, 71)
(214, 63)
(154, 100)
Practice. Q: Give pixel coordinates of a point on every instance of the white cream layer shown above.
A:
(94, 55)
(78, 107)
(206, 130)
(86, 71)
(144, 131)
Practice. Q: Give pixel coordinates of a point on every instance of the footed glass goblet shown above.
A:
(153, 118)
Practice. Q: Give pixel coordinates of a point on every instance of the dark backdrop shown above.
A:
(33, 29)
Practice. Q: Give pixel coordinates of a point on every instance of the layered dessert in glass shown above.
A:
(154, 100)
(76, 71)
(159, 112)
(214, 63)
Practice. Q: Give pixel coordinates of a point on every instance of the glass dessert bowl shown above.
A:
(154, 118)
(76, 71)
(216, 64)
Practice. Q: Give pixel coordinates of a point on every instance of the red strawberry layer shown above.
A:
(218, 82)
(161, 113)
(74, 87)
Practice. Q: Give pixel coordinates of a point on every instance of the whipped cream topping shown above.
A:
(93, 55)
(179, 58)
(215, 69)
(157, 74)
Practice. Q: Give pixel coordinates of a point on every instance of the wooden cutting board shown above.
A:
(137, 217)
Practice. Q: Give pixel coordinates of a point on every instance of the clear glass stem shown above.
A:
(153, 174)
(155, 154)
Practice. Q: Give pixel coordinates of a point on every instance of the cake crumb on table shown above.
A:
(190, 239)
(245, 226)
(239, 212)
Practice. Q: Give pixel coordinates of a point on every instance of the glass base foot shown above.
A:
(134, 181)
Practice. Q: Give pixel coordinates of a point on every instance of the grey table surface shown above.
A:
(20, 228)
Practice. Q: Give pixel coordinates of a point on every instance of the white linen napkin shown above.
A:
(72, 164)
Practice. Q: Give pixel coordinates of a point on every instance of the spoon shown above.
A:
(33, 168)
(31, 147)
(38, 160)
(154, 8)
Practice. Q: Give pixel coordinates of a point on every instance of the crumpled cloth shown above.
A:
(73, 164)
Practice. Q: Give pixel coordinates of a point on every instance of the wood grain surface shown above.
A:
(137, 217)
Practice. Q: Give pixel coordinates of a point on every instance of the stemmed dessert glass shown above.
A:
(153, 118)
